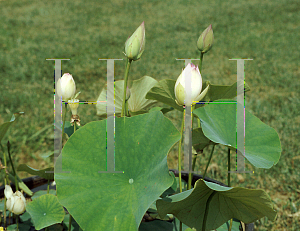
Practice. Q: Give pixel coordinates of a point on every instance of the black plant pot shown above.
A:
(37, 183)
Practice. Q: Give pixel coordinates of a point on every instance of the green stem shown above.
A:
(201, 59)
(211, 153)
(123, 112)
(194, 161)
(6, 181)
(190, 181)
(230, 226)
(126, 108)
(4, 213)
(193, 166)
(70, 220)
(228, 181)
(179, 153)
(228, 176)
(64, 121)
(179, 160)
(13, 167)
(206, 210)
(17, 220)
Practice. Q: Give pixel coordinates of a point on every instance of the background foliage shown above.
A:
(84, 31)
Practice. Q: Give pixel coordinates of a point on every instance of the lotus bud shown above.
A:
(206, 40)
(73, 104)
(183, 97)
(66, 87)
(135, 45)
(16, 202)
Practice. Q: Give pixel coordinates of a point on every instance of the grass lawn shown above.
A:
(84, 31)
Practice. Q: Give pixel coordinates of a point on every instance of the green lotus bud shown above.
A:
(135, 45)
(206, 40)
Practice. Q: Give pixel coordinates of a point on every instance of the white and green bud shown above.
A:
(135, 44)
(16, 202)
(206, 40)
(73, 104)
(182, 96)
(66, 87)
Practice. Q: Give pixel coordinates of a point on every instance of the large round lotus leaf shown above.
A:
(262, 144)
(116, 201)
(247, 205)
(45, 211)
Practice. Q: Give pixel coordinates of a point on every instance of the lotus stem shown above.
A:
(200, 63)
(123, 112)
(64, 121)
(179, 160)
(211, 153)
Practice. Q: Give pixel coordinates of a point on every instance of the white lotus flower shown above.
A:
(16, 202)
(66, 87)
(187, 98)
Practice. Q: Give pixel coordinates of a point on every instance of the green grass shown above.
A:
(84, 31)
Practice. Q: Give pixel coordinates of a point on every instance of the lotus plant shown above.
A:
(134, 48)
(121, 163)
